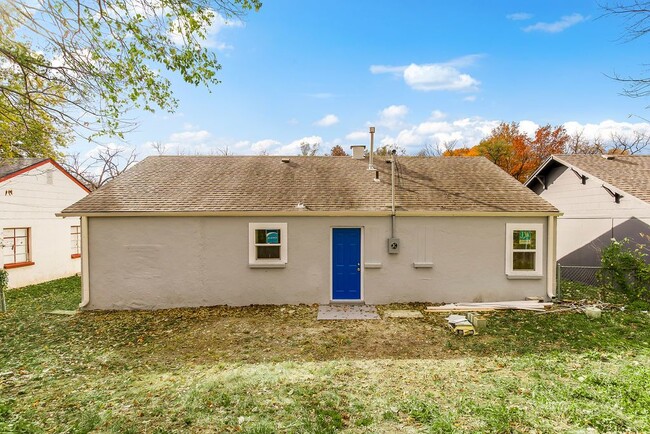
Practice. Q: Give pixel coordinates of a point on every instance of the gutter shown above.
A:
(312, 214)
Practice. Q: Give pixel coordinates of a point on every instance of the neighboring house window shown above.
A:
(524, 250)
(75, 241)
(15, 247)
(267, 245)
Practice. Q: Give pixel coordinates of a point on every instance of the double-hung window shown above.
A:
(267, 245)
(75, 241)
(16, 247)
(524, 250)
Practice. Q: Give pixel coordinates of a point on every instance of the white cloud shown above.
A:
(606, 128)
(96, 150)
(293, 121)
(558, 26)
(190, 137)
(528, 127)
(466, 131)
(436, 129)
(519, 16)
(470, 98)
(293, 148)
(218, 23)
(392, 117)
(434, 76)
(358, 136)
(327, 121)
(437, 114)
(470, 131)
(242, 144)
(263, 145)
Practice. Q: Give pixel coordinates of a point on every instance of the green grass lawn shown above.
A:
(276, 369)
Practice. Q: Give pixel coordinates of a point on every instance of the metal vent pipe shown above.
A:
(372, 148)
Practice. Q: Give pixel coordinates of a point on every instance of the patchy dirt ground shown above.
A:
(267, 369)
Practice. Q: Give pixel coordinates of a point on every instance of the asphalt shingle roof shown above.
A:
(630, 173)
(265, 183)
(13, 165)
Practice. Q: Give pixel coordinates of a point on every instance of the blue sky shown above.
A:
(421, 72)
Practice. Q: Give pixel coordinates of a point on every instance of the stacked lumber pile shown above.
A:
(533, 305)
(461, 325)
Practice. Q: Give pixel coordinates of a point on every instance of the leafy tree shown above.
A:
(102, 58)
(516, 153)
(505, 147)
(27, 128)
(338, 151)
(461, 152)
(624, 270)
(386, 150)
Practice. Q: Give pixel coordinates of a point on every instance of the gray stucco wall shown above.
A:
(162, 262)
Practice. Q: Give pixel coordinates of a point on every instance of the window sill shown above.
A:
(423, 265)
(524, 276)
(18, 265)
(372, 265)
(270, 265)
(75, 255)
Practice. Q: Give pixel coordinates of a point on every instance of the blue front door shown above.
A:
(346, 264)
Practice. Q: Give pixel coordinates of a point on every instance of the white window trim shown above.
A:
(253, 261)
(539, 251)
(77, 240)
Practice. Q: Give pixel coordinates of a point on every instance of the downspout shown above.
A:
(551, 256)
(85, 278)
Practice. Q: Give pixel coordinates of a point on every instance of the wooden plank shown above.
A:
(487, 307)
(459, 309)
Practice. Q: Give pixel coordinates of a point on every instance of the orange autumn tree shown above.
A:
(461, 152)
(516, 153)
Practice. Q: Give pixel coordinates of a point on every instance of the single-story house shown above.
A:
(602, 197)
(37, 246)
(238, 230)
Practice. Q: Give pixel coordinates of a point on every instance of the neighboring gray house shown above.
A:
(601, 197)
(196, 231)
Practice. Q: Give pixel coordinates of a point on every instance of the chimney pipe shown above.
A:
(372, 148)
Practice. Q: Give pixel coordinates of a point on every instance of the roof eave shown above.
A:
(541, 168)
(311, 214)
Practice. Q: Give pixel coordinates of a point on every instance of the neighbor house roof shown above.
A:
(10, 167)
(266, 184)
(629, 173)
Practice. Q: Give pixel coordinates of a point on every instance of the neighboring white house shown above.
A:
(601, 197)
(36, 244)
(199, 231)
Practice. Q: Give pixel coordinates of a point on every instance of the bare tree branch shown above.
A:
(102, 167)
